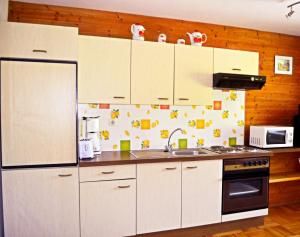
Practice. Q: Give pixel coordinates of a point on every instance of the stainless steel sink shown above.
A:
(188, 153)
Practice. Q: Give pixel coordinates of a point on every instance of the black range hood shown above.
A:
(238, 81)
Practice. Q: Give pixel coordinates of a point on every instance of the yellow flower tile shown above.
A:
(148, 112)
(192, 123)
(137, 137)
(128, 114)
(225, 114)
(115, 114)
(145, 144)
(200, 142)
(241, 123)
(233, 95)
(115, 146)
(93, 106)
(184, 132)
(135, 124)
(194, 106)
(164, 134)
(138, 106)
(127, 133)
(145, 124)
(185, 115)
(105, 135)
(200, 123)
(217, 132)
(155, 106)
(174, 114)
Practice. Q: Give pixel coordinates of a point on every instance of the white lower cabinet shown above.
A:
(201, 192)
(108, 208)
(41, 202)
(158, 197)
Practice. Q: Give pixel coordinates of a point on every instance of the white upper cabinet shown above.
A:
(20, 40)
(193, 75)
(152, 73)
(201, 192)
(104, 70)
(236, 61)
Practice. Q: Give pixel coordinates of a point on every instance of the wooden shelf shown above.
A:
(284, 177)
(284, 150)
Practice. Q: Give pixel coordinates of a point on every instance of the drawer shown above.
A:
(20, 40)
(99, 173)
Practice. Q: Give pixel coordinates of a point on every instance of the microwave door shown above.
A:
(276, 137)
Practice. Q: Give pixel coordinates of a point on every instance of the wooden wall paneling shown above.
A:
(284, 193)
(274, 104)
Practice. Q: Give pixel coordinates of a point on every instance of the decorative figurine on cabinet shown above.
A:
(162, 38)
(197, 38)
(138, 31)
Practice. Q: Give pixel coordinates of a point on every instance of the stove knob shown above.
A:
(245, 163)
(255, 163)
(259, 162)
(265, 162)
(250, 163)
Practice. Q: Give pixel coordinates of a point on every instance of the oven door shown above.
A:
(245, 194)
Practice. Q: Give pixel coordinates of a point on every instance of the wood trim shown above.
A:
(208, 229)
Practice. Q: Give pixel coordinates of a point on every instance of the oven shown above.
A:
(245, 184)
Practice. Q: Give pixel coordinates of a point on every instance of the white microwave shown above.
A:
(271, 136)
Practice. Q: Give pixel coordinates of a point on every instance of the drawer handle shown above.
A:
(186, 99)
(192, 167)
(119, 97)
(163, 98)
(171, 168)
(39, 51)
(124, 186)
(108, 172)
(64, 175)
(236, 69)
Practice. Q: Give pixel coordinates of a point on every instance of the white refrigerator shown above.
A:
(40, 187)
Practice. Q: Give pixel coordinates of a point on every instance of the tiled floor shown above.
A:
(282, 221)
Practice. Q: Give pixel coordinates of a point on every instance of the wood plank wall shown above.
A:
(276, 103)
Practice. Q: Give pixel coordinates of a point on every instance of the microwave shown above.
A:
(271, 136)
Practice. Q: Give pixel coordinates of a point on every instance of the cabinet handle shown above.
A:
(39, 51)
(119, 97)
(64, 175)
(108, 172)
(192, 167)
(163, 98)
(124, 186)
(171, 168)
(183, 99)
(236, 69)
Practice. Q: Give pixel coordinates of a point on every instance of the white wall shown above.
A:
(3, 10)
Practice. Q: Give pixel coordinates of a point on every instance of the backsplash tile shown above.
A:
(138, 127)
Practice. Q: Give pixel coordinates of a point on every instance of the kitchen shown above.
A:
(132, 94)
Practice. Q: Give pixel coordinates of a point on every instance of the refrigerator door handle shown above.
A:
(64, 175)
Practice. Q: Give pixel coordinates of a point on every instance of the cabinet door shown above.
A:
(38, 108)
(152, 73)
(104, 70)
(41, 202)
(201, 192)
(22, 40)
(236, 61)
(108, 208)
(158, 197)
(193, 75)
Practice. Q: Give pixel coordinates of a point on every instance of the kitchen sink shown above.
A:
(188, 153)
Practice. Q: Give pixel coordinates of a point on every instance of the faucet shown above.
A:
(169, 147)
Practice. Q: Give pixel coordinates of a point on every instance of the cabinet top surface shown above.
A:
(154, 156)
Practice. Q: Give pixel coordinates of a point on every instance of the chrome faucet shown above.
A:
(169, 147)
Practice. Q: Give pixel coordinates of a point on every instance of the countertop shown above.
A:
(154, 156)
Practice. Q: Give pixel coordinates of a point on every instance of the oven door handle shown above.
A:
(241, 193)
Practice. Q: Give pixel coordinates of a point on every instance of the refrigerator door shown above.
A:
(38, 113)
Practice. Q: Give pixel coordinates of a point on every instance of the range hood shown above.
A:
(238, 81)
